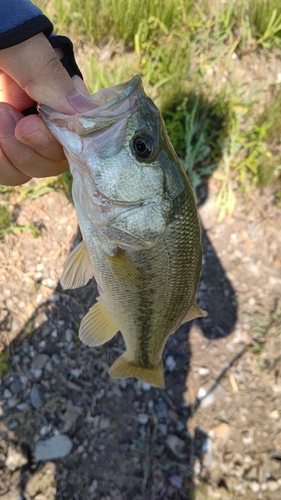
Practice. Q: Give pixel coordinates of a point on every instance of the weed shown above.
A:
(172, 45)
(4, 363)
(149, 455)
(265, 322)
(5, 219)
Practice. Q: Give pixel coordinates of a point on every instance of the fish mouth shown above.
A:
(112, 104)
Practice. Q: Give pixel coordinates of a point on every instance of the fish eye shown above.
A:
(143, 146)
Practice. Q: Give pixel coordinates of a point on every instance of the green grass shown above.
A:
(4, 363)
(219, 125)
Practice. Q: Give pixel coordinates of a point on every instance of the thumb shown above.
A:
(34, 65)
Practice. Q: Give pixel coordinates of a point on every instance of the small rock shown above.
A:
(42, 345)
(16, 458)
(69, 334)
(255, 487)
(207, 396)
(143, 418)
(176, 445)
(36, 373)
(39, 361)
(222, 431)
(7, 394)
(203, 372)
(145, 386)
(12, 402)
(36, 397)
(104, 422)
(170, 363)
(116, 391)
(12, 425)
(75, 372)
(16, 385)
(56, 447)
(70, 417)
(123, 383)
(46, 429)
(124, 446)
(176, 480)
(163, 429)
(274, 414)
(23, 407)
(94, 486)
(272, 485)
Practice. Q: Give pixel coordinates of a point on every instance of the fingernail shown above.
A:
(7, 123)
(80, 102)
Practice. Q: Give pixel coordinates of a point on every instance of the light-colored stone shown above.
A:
(56, 447)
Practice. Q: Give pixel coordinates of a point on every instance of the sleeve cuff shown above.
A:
(25, 31)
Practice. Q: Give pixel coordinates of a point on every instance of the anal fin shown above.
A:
(98, 326)
(123, 368)
(78, 268)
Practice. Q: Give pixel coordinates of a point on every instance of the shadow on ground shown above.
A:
(128, 440)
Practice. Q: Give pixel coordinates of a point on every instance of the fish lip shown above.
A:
(129, 87)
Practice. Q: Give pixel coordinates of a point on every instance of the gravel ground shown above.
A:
(68, 431)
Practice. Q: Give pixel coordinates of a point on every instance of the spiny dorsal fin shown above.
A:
(122, 368)
(78, 268)
(194, 312)
(124, 268)
(97, 327)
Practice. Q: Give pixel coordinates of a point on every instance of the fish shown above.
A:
(138, 218)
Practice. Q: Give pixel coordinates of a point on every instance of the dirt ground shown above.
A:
(213, 432)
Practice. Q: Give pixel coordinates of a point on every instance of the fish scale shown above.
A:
(139, 222)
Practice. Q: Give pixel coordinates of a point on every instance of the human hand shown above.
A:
(31, 72)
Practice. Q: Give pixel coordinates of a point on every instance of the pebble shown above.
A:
(255, 487)
(145, 386)
(36, 397)
(12, 402)
(104, 422)
(56, 447)
(7, 394)
(170, 364)
(16, 385)
(23, 407)
(36, 373)
(39, 361)
(143, 418)
(13, 425)
(272, 485)
(16, 458)
(46, 429)
(176, 480)
(75, 372)
(176, 445)
(203, 372)
(274, 414)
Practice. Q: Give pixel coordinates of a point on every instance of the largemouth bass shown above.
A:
(138, 219)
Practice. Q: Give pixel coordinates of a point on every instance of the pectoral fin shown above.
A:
(98, 326)
(78, 268)
(124, 268)
(122, 368)
(194, 312)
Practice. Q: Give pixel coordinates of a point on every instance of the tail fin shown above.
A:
(122, 368)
